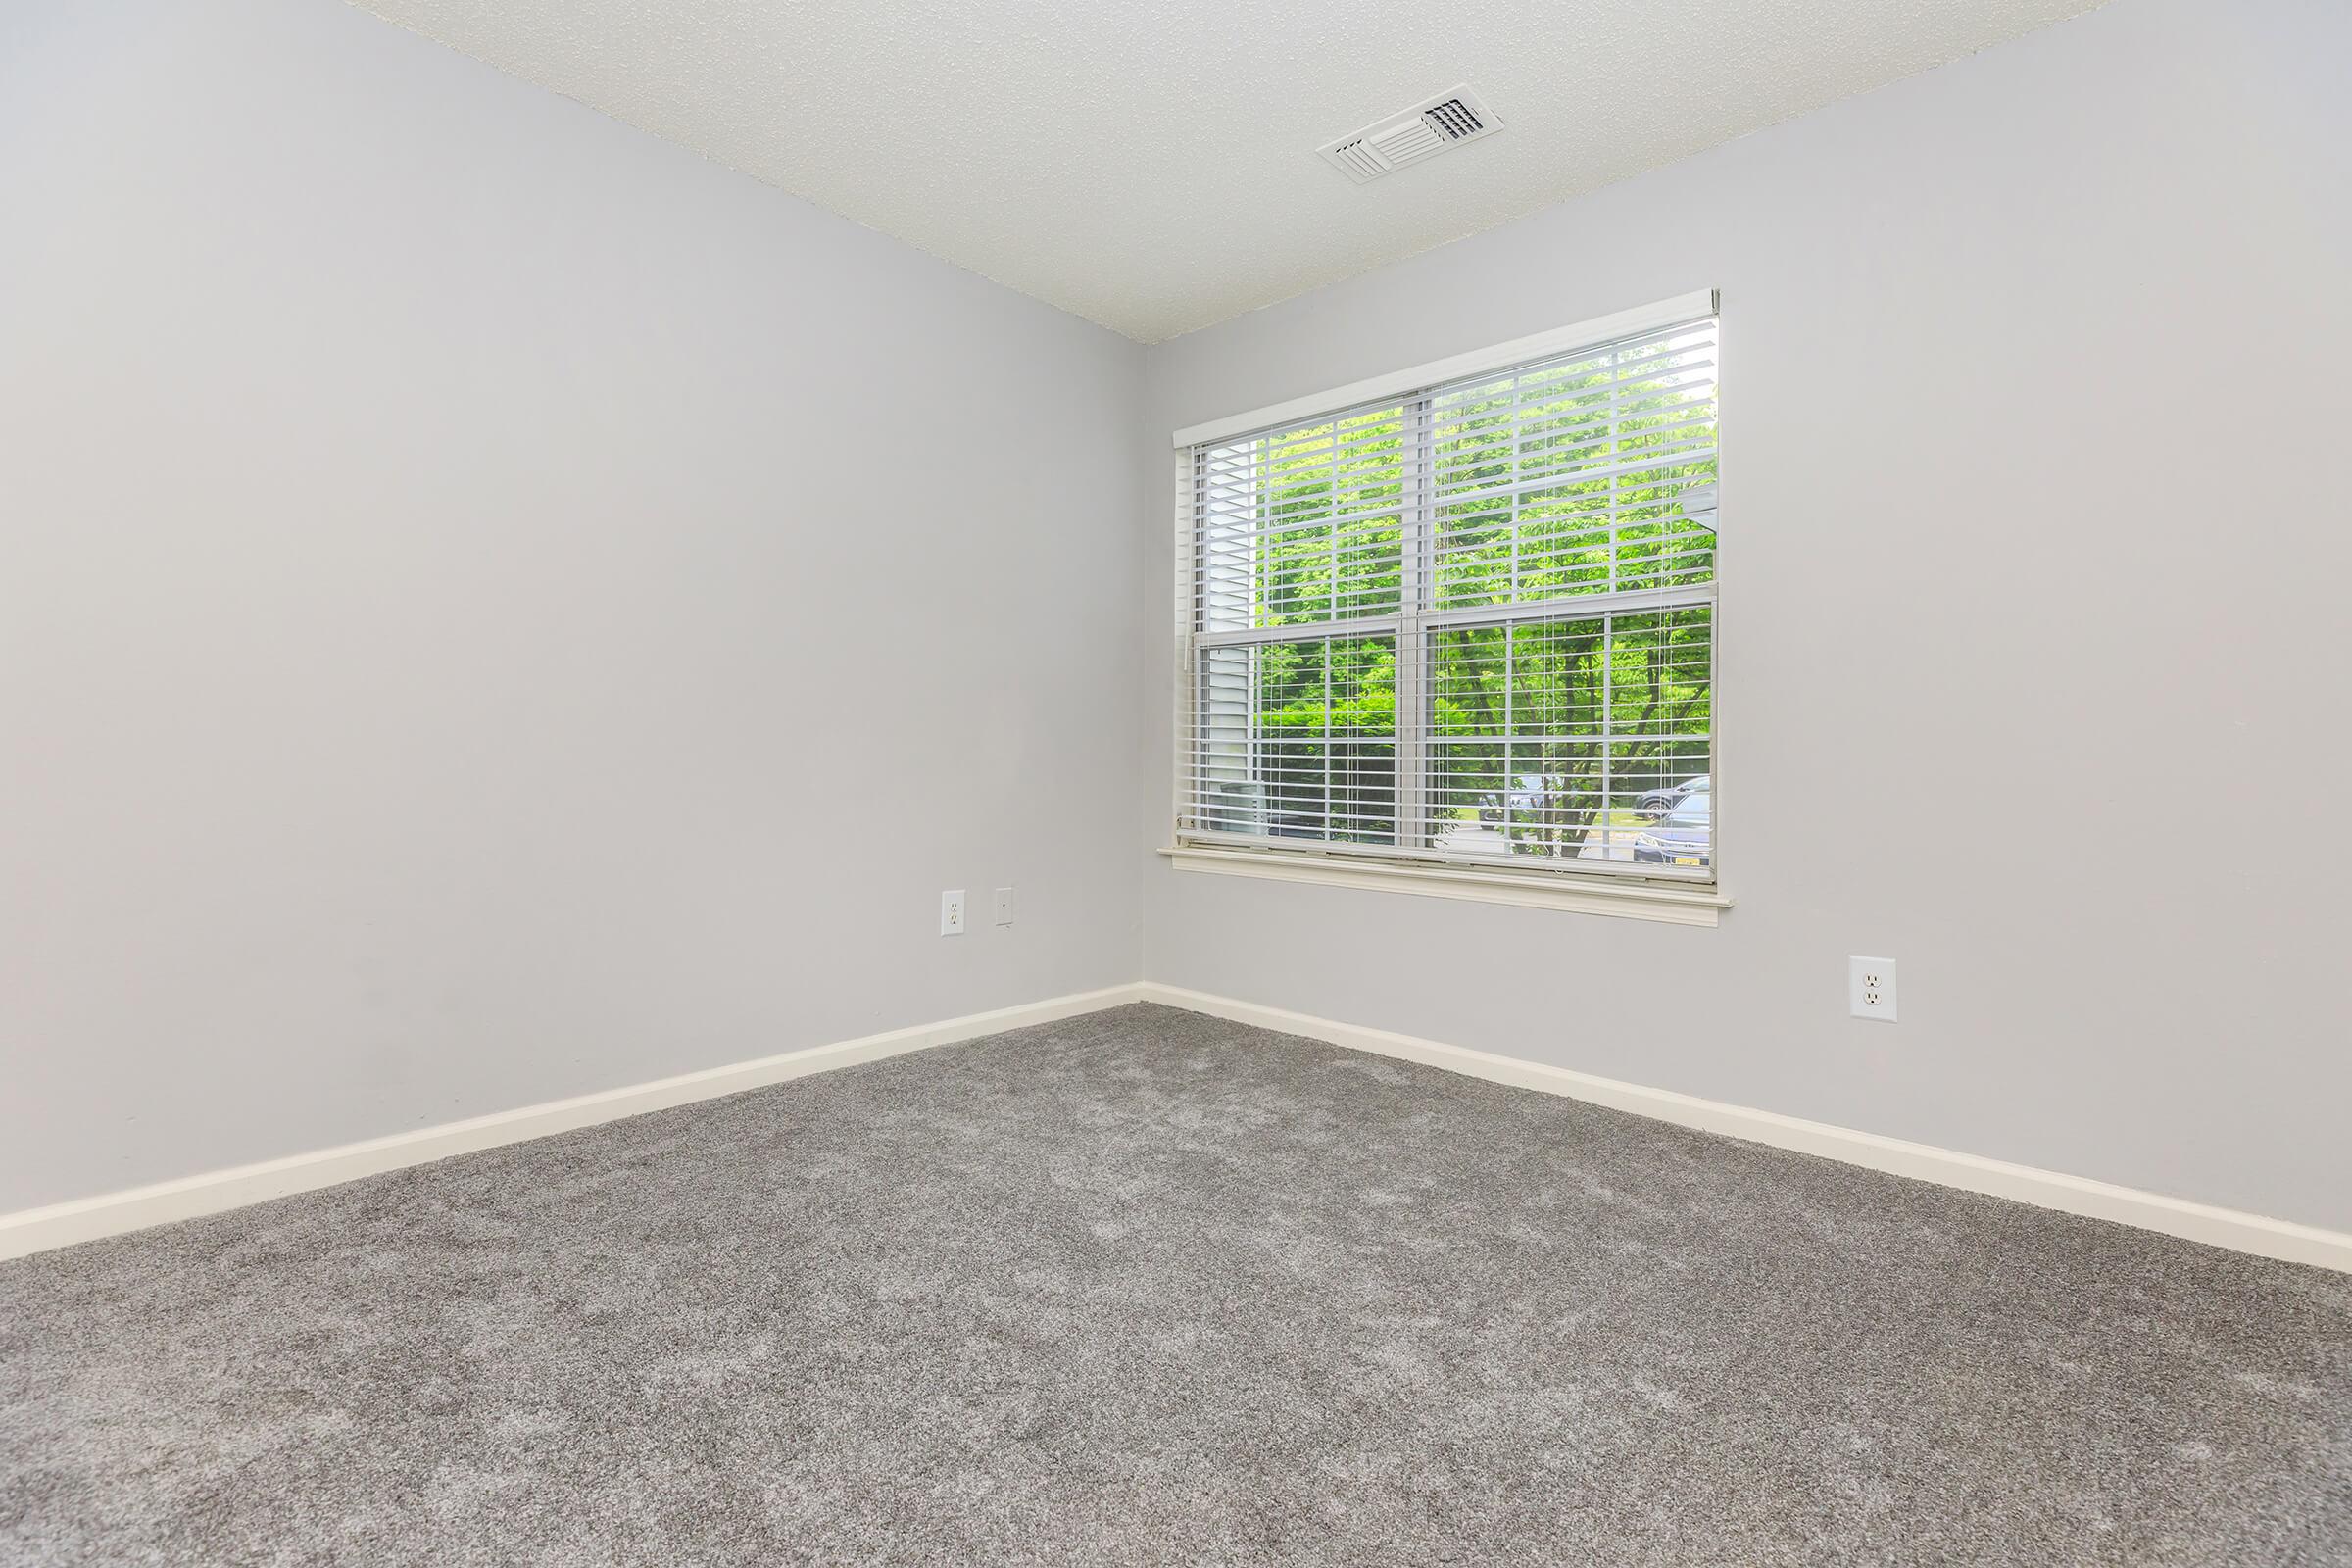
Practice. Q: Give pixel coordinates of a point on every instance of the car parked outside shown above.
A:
(1684, 836)
(1528, 793)
(1659, 802)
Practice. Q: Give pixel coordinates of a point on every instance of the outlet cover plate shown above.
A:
(1870, 988)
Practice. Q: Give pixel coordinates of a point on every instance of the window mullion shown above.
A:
(1417, 589)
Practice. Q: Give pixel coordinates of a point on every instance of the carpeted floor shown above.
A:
(1148, 1288)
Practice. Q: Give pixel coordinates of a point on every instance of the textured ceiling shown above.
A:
(1150, 164)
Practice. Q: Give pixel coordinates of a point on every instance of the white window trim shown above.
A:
(1557, 887)
(1536, 889)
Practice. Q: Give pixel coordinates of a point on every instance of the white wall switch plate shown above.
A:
(1870, 988)
(951, 914)
(1003, 905)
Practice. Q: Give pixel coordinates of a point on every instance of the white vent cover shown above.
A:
(1427, 128)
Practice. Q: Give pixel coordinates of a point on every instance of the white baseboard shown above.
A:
(36, 1230)
(2074, 1194)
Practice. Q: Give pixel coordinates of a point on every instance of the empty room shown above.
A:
(963, 782)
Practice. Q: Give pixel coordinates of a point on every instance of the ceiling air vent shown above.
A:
(1447, 121)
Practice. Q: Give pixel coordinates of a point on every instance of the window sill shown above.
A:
(1540, 891)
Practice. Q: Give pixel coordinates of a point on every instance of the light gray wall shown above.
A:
(442, 532)
(2033, 672)
(494, 607)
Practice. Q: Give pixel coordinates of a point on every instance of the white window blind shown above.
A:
(1470, 622)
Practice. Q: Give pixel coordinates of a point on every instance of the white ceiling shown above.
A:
(1151, 164)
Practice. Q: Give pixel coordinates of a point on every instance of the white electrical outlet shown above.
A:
(1003, 905)
(1870, 988)
(951, 914)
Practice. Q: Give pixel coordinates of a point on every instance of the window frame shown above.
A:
(1690, 897)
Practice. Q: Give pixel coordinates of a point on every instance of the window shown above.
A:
(1469, 621)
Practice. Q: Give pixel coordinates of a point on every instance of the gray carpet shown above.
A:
(1147, 1287)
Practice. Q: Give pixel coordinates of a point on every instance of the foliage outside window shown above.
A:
(1472, 623)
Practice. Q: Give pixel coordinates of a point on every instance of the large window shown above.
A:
(1473, 621)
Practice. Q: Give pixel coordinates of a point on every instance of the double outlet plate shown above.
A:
(951, 911)
(1870, 988)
